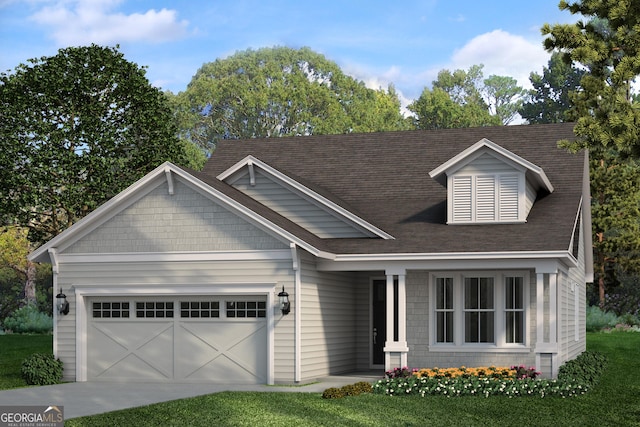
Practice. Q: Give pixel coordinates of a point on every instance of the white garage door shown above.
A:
(180, 339)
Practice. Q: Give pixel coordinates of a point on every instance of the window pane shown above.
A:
(486, 326)
(443, 293)
(444, 326)
(471, 327)
(471, 293)
(486, 293)
(514, 327)
(508, 294)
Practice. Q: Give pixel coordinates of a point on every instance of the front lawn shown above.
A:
(13, 350)
(612, 402)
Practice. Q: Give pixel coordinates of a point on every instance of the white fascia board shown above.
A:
(323, 201)
(547, 260)
(134, 257)
(465, 156)
(124, 198)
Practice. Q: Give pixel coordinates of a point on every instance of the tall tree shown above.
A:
(76, 129)
(616, 218)
(14, 248)
(463, 87)
(607, 45)
(504, 97)
(279, 91)
(549, 101)
(457, 99)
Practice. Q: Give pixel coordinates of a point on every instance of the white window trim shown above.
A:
(521, 203)
(500, 344)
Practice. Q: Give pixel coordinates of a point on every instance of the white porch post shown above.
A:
(553, 321)
(389, 317)
(395, 350)
(402, 318)
(549, 346)
(539, 315)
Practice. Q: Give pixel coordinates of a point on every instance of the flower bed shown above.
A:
(514, 372)
(515, 381)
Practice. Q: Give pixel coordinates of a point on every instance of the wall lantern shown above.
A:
(61, 303)
(285, 305)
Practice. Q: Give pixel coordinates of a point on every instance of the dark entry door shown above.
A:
(379, 309)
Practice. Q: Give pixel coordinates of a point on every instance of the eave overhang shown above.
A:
(441, 261)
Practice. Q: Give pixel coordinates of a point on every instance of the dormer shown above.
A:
(487, 183)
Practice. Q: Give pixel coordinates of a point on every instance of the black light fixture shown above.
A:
(285, 305)
(61, 303)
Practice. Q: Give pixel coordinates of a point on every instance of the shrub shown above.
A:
(348, 390)
(363, 387)
(629, 319)
(586, 368)
(28, 319)
(399, 373)
(333, 393)
(522, 372)
(41, 369)
(598, 319)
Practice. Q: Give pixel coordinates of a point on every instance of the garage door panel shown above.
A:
(227, 370)
(129, 350)
(223, 350)
(133, 368)
(175, 348)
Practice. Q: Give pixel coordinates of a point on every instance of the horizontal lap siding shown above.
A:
(574, 290)
(328, 322)
(187, 273)
(485, 164)
(297, 207)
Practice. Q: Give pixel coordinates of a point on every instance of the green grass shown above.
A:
(13, 350)
(614, 401)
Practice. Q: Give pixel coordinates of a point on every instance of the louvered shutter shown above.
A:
(508, 198)
(461, 199)
(485, 198)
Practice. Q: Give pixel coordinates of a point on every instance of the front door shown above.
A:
(379, 320)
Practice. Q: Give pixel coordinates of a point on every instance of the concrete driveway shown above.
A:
(90, 398)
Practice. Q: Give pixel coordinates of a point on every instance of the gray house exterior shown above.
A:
(423, 248)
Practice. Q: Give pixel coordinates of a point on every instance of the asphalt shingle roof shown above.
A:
(384, 179)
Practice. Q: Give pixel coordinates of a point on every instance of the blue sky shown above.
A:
(380, 42)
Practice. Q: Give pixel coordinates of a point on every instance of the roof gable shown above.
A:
(484, 147)
(304, 206)
(128, 197)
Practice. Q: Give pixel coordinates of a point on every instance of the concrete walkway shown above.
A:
(90, 398)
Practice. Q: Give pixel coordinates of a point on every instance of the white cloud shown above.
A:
(95, 21)
(502, 54)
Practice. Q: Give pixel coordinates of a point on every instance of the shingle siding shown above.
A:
(185, 221)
